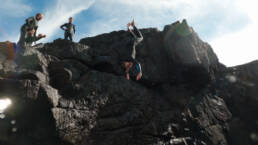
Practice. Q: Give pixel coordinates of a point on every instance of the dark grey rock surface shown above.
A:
(61, 95)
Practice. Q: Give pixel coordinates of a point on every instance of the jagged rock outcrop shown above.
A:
(166, 56)
(238, 87)
(61, 95)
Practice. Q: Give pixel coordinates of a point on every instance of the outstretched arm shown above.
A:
(129, 30)
(135, 33)
(34, 38)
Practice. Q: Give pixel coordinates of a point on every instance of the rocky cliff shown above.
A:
(63, 95)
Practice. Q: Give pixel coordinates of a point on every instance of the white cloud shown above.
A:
(59, 14)
(223, 20)
(237, 48)
(240, 47)
(213, 16)
(13, 8)
(230, 25)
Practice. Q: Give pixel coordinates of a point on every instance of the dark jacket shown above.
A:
(68, 28)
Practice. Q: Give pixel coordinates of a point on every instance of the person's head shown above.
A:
(39, 16)
(30, 32)
(70, 19)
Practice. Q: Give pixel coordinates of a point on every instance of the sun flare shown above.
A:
(4, 103)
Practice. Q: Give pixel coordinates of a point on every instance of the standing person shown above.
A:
(129, 61)
(31, 23)
(69, 29)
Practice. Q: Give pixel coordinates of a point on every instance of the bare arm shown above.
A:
(135, 33)
(31, 39)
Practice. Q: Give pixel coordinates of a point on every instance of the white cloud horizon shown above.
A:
(229, 21)
(239, 47)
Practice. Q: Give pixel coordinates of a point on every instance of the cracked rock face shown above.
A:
(166, 56)
(238, 87)
(62, 96)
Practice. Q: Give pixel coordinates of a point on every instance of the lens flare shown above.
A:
(4, 103)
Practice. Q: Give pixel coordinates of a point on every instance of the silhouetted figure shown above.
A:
(69, 29)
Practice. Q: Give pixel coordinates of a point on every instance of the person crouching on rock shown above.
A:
(30, 38)
(8, 50)
(69, 29)
(31, 23)
(129, 61)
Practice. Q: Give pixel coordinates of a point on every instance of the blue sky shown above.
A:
(228, 25)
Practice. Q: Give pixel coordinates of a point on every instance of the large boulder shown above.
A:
(170, 55)
(111, 110)
(185, 47)
(62, 95)
(28, 120)
(238, 86)
(63, 49)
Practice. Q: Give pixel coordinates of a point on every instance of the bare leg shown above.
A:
(128, 66)
(139, 75)
(127, 76)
